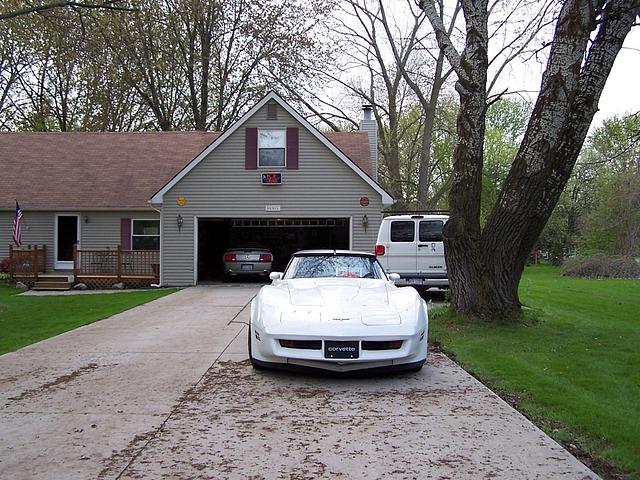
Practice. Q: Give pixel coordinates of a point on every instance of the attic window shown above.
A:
(272, 111)
(271, 148)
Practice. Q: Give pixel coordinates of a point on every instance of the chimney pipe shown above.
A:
(366, 112)
(369, 125)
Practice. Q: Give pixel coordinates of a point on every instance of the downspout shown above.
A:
(161, 236)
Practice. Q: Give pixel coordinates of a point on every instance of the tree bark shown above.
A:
(557, 129)
(462, 231)
(485, 268)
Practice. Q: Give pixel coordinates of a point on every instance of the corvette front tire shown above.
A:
(254, 364)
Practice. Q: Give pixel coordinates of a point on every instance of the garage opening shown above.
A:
(283, 236)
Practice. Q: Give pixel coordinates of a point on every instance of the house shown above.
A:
(271, 178)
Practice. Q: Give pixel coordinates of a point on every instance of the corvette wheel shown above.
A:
(251, 359)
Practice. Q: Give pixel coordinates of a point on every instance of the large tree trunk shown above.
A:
(485, 269)
(557, 129)
(462, 232)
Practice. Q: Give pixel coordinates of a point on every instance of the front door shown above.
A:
(67, 234)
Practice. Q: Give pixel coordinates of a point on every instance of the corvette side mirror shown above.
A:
(393, 277)
(275, 276)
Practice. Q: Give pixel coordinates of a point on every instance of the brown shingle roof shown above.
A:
(109, 170)
(354, 145)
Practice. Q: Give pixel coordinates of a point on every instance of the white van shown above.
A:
(411, 245)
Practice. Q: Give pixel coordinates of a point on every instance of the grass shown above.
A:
(575, 370)
(28, 319)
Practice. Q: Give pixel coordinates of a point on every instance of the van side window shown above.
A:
(430, 231)
(402, 231)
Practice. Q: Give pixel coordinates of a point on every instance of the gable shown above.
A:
(257, 118)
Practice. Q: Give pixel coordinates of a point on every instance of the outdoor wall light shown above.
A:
(179, 221)
(86, 219)
(365, 222)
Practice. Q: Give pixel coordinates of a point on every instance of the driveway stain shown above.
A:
(241, 423)
(59, 382)
(181, 400)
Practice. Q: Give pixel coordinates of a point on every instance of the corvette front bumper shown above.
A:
(267, 352)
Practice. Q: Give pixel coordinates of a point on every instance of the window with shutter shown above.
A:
(271, 148)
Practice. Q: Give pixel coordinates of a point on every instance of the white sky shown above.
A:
(620, 96)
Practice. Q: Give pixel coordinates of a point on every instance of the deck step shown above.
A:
(51, 285)
(53, 278)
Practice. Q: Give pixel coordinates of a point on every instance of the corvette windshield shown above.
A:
(334, 266)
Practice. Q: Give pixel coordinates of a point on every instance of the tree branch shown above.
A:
(108, 5)
(444, 38)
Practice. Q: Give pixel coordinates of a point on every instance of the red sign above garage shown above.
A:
(271, 178)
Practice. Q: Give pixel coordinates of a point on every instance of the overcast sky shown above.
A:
(621, 94)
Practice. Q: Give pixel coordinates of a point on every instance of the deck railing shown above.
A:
(116, 263)
(27, 261)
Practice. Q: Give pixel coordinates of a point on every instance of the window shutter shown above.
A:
(125, 233)
(251, 149)
(292, 149)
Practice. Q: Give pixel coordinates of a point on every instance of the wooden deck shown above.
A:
(96, 268)
(105, 267)
(27, 263)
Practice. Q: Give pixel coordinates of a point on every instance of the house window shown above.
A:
(145, 235)
(271, 148)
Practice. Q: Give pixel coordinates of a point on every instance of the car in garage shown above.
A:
(244, 261)
(337, 310)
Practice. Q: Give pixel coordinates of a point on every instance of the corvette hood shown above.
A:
(326, 292)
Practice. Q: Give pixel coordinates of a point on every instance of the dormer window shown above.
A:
(271, 148)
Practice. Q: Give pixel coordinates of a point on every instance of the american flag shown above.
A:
(17, 230)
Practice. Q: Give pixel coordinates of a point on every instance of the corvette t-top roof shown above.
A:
(352, 253)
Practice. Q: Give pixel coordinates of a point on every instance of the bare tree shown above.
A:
(371, 72)
(12, 62)
(485, 266)
(65, 4)
(428, 99)
(45, 94)
(147, 57)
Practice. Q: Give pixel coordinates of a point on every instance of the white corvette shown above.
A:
(338, 311)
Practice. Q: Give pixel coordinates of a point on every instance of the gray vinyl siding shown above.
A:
(220, 187)
(98, 229)
(103, 228)
(37, 229)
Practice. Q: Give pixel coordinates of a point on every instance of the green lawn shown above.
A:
(28, 319)
(575, 371)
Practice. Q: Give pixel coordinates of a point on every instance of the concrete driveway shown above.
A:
(165, 391)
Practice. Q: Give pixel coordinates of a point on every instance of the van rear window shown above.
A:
(430, 231)
(402, 231)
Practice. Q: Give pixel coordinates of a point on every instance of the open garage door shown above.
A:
(283, 236)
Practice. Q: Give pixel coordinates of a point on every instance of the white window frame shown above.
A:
(284, 163)
(133, 220)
